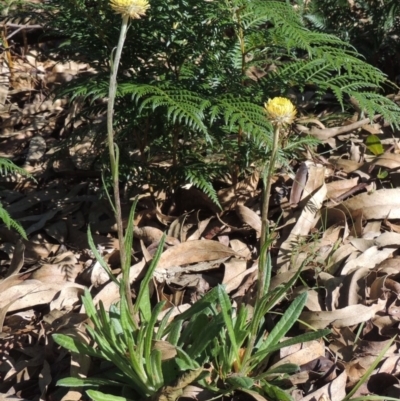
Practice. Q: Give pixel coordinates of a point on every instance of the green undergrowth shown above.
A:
(150, 356)
(193, 78)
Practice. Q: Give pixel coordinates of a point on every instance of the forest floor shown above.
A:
(341, 226)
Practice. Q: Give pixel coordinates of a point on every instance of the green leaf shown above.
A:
(90, 308)
(11, 223)
(128, 240)
(368, 372)
(276, 393)
(205, 337)
(99, 258)
(99, 396)
(382, 174)
(143, 299)
(374, 145)
(175, 332)
(148, 338)
(226, 310)
(288, 368)
(240, 382)
(87, 382)
(163, 325)
(184, 361)
(314, 335)
(156, 368)
(74, 345)
(285, 323)
(204, 303)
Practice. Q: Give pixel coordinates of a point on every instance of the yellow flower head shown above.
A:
(280, 110)
(130, 8)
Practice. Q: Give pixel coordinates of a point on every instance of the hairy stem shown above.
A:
(265, 206)
(268, 173)
(112, 147)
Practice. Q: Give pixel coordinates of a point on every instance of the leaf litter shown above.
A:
(341, 225)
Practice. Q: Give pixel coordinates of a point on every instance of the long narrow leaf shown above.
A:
(368, 372)
(129, 239)
(99, 258)
(314, 335)
(148, 339)
(204, 303)
(86, 382)
(156, 368)
(90, 308)
(174, 332)
(74, 345)
(286, 322)
(143, 298)
(163, 325)
(99, 396)
(226, 310)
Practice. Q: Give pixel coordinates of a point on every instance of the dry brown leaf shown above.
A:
(380, 204)
(334, 391)
(299, 184)
(194, 252)
(346, 165)
(348, 316)
(249, 217)
(109, 294)
(17, 260)
(305, 222)
(240, 192)
(201, 226)
(326, 133)
(253, 394)
(313, 303)
(148, 235)
(370, 258)
(339, 256)
(388, 160)
(357, 367)
(240, 248)
(197, 393)
(337, 188)
(332, 287)
(373, 129)
(235, 273)
(352, 291)
(300, 354)
(386, 239)
(67, 299)
(32, 292)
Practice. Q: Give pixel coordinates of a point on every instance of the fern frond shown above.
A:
(7, 167)
(201, 182)
(244, 115)
(11, 223)
(181, 105)
(374, 103)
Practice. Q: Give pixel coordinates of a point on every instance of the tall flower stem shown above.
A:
(267, 181)
(112, 147)
(280, 112)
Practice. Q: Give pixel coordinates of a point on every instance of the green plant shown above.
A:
(186, 91)
(370, 26)
(128, 10)
(8, 167)
(193, 77)
(159, 357)
(241, 352)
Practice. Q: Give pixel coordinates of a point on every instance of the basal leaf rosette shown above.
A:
(280, 111)
(130, 8)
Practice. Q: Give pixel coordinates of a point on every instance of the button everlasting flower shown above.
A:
(130, 8)
(280, 110)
